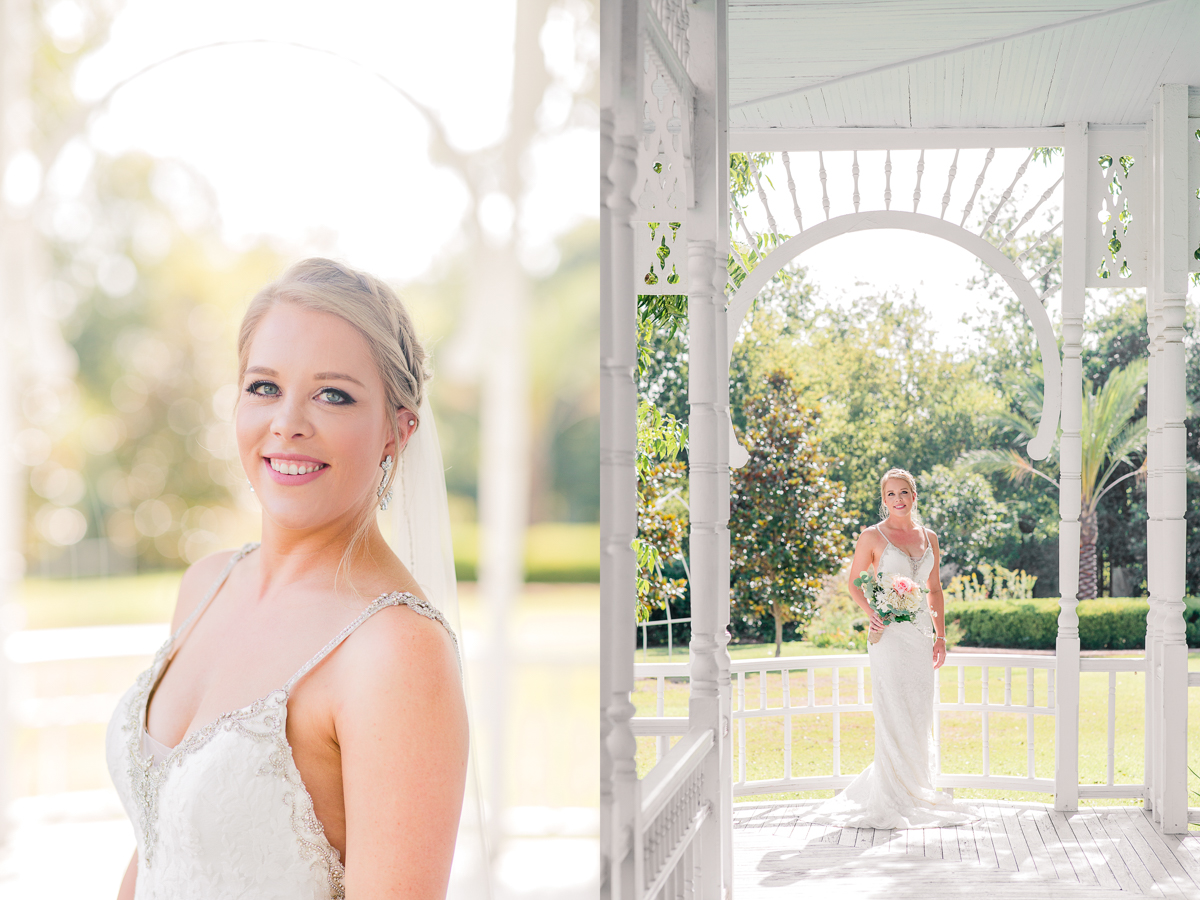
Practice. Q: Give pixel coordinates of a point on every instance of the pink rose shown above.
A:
(903, 585)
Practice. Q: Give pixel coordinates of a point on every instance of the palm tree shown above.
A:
(1111, 435)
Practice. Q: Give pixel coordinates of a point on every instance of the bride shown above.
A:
(896, 790)
(303, 734)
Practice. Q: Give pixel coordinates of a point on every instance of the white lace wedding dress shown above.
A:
(225, 813)
(896, 790)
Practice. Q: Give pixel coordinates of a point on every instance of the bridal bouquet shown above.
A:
(896, 598)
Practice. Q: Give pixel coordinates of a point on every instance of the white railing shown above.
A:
(1112, 665)
(1036, 686)
(669, 622)
(671, 815)
(64, 644)
(986, 708)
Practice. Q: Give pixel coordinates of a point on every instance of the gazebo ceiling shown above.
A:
(803, 64)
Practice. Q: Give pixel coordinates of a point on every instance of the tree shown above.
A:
(787, 513)
(869, 363)
(1112, 433)
(969, 521)
(661, 508)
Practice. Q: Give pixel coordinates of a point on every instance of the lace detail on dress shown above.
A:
(145, 778)
(265, 723)
(918, 568)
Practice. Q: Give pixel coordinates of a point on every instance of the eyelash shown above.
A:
(346, 400)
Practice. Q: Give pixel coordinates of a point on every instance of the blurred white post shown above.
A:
(1166, 650)
(1074, 272)
(503, 498)
(17, 241)
(708, 436)
(620, 121)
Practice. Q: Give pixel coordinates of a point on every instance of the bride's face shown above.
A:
(898, 497)
(312, 422)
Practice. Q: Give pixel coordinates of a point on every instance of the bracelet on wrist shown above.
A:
(939, 638)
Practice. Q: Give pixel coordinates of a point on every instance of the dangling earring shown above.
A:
(386, 465)
(249, 482)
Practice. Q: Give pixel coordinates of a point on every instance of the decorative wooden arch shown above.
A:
(739, 303)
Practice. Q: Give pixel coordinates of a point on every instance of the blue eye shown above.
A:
(335, 397)
(263, 389)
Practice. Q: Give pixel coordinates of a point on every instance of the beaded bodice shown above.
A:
(226, 813)
(895, 561)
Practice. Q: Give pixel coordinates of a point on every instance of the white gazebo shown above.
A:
(1116, 85)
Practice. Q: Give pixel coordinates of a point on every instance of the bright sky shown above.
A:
(311, 148)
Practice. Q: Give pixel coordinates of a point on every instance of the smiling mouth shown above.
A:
(291, 467)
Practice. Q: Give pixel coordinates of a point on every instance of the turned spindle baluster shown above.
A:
(1041, 240)
(824, 192)
(920, 172)
(987, 161)
(762, 195)
(887, 181)
(991, 220)
(737, 212)
(949, 183)
(787, 165)
(1025, 218)
(854, 172)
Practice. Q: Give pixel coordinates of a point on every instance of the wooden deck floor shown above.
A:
(1020, 850)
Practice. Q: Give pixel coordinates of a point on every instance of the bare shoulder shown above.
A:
(869, 538)
(198, 578)
(932, 535)
(403, 645)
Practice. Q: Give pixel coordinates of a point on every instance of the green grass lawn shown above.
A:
(554, 551)
(961, 733)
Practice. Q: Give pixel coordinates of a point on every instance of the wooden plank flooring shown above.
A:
(1018, 851)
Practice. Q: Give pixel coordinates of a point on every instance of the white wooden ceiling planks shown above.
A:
(1093, 60)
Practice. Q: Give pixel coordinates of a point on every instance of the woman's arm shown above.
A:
(864, 553)
(401, 725)
(937, 603)
(129, 882)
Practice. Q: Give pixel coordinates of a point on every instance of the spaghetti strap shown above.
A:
(879, 528)
(396, 598)
(238, 555)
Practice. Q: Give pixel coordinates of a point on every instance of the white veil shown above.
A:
(419, 516)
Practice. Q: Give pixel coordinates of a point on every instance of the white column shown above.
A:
(708, 425)
(620, 117)
(1168, 399)
(1066, 719)
(1154, 479)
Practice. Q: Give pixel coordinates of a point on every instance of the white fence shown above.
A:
(671, 815)
(1038, 700)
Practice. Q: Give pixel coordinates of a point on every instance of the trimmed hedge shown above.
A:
(1104, 624)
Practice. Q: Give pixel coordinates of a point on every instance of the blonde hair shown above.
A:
(905, 476)
(371, 308)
